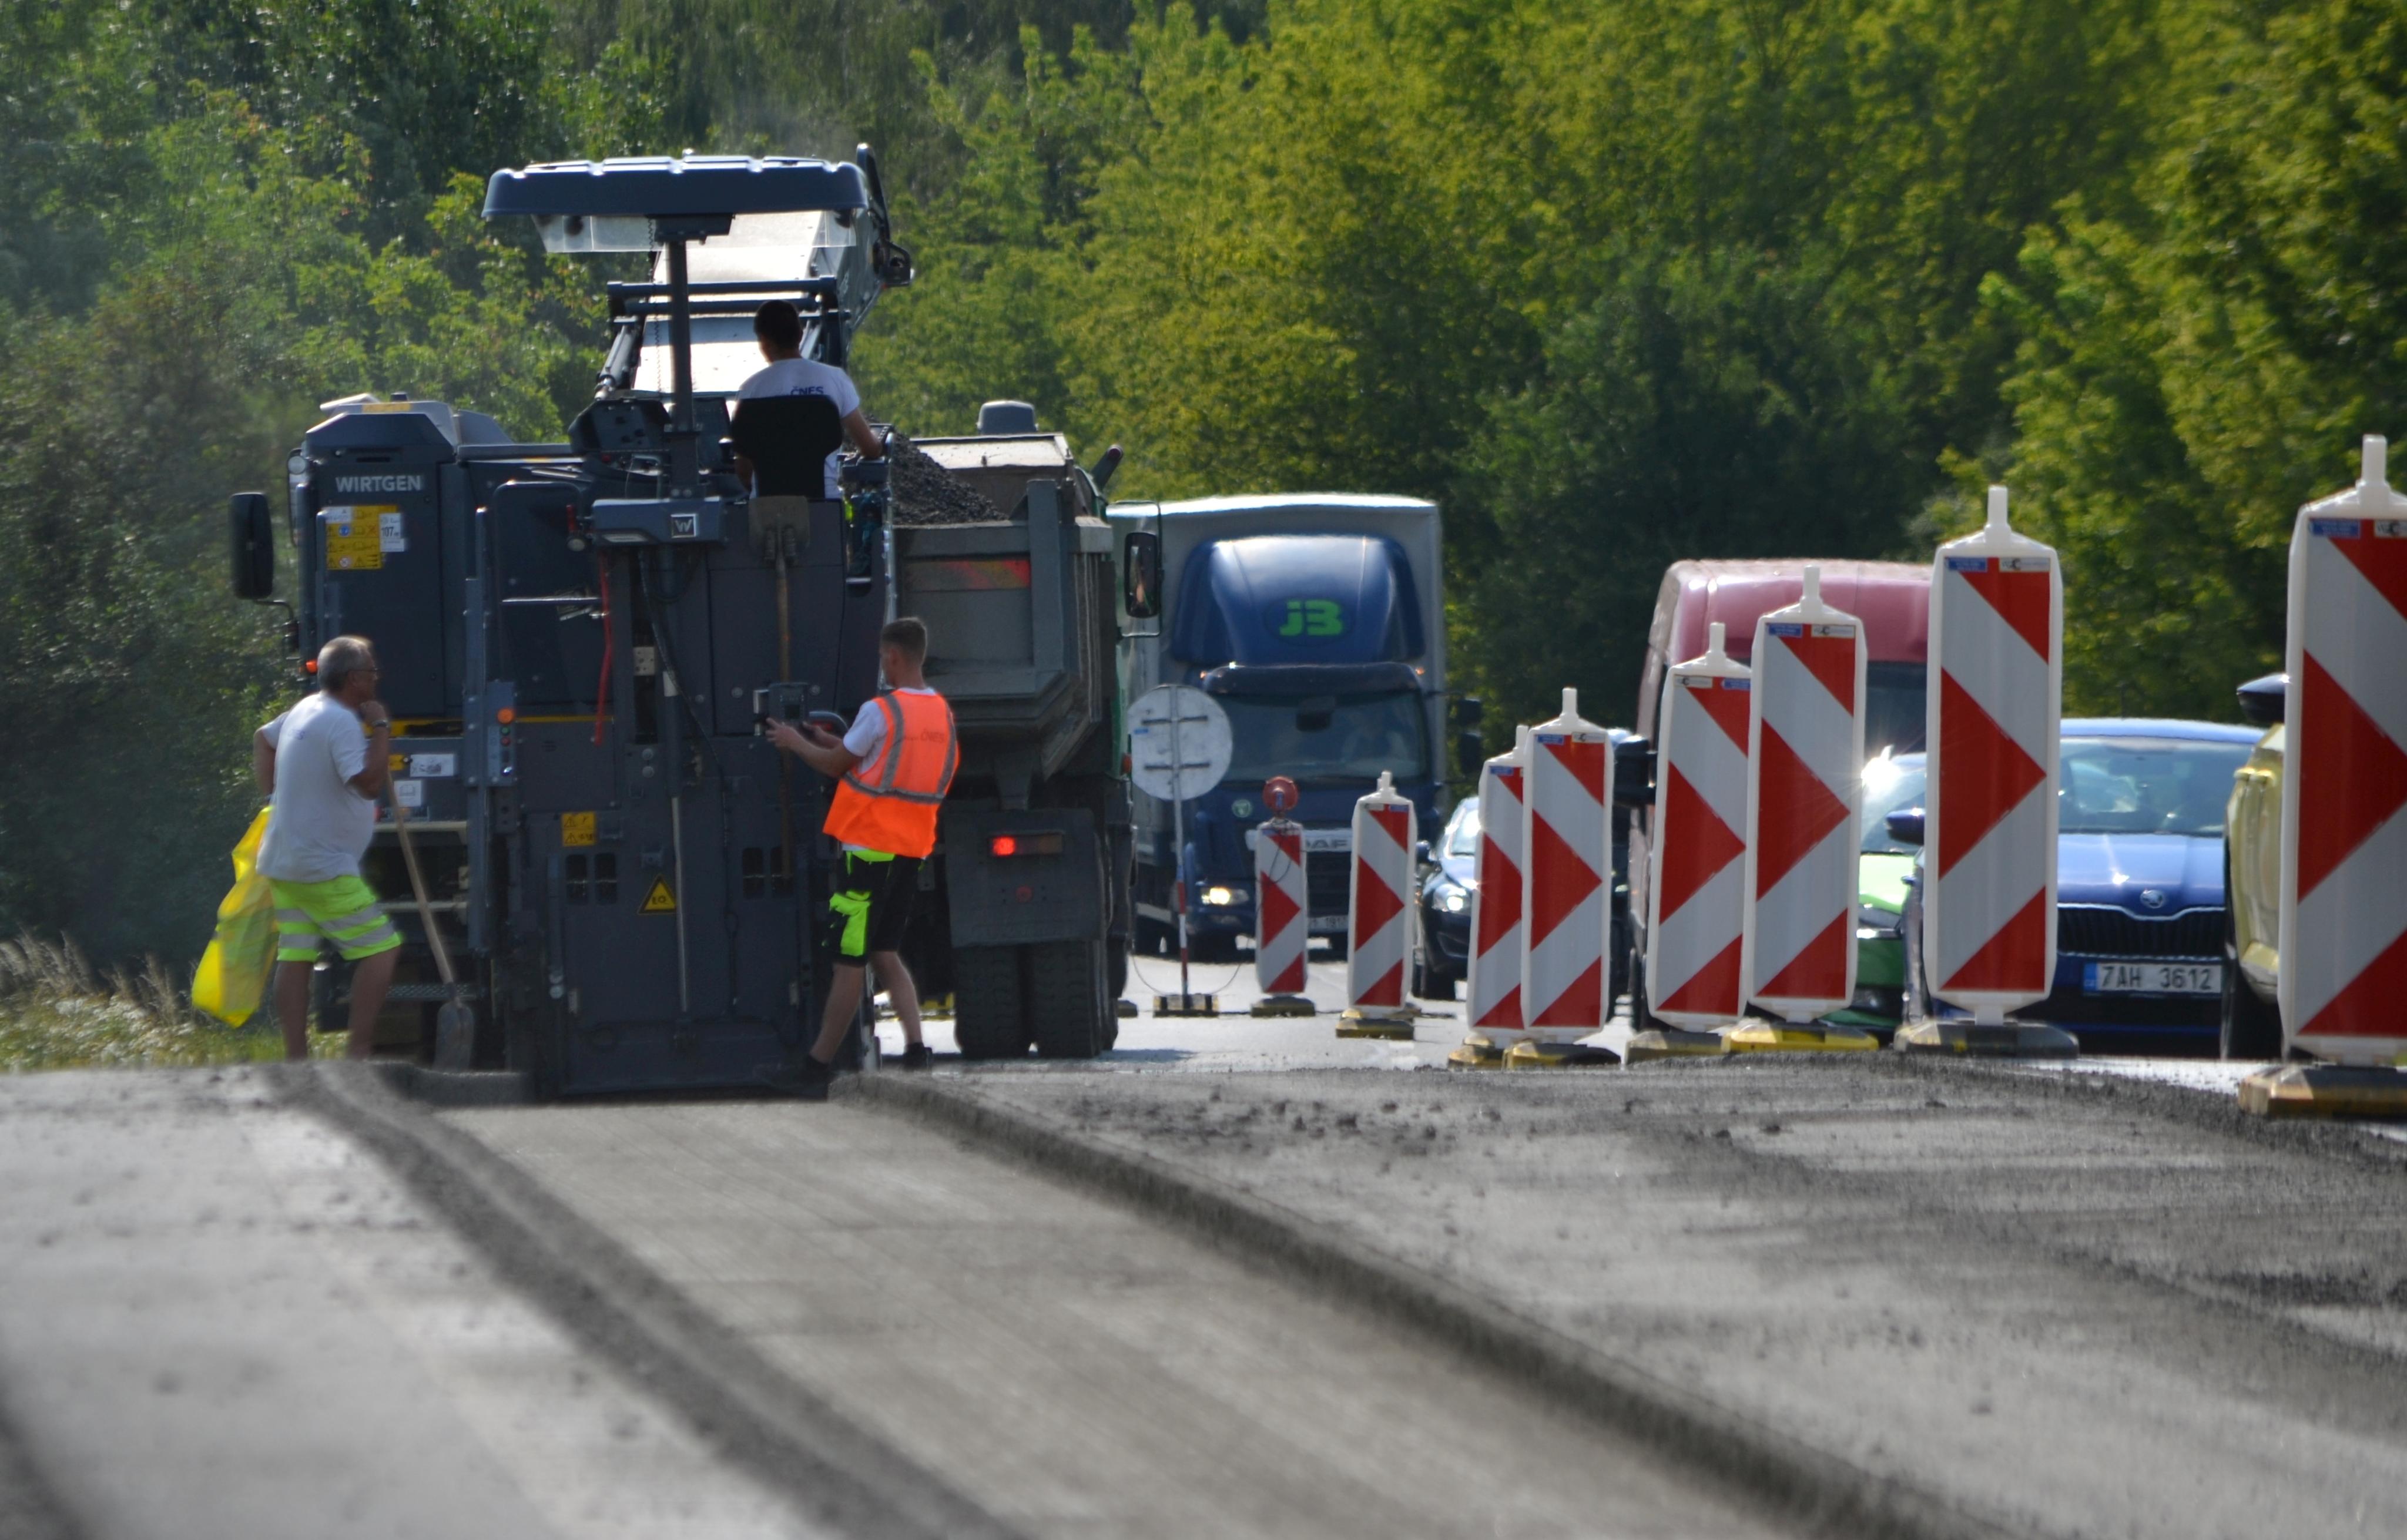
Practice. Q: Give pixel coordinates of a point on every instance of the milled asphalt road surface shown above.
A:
(1071, 1366)
(2055, 1303)
(2068, 1304)
(220, 1319)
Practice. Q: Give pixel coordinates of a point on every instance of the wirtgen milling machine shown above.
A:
(578, 642)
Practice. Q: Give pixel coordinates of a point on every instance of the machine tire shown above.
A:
(2251, 1028)
(990, 1008)
(1068, 1014)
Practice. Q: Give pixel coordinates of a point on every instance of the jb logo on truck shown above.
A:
(1313, 617)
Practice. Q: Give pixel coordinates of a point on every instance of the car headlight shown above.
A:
(1453, 897)
(1220, 896)
(1877, 924)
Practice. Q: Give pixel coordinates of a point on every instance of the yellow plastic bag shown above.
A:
(234, 971)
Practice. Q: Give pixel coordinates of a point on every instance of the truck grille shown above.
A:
(1325, 876)
(2098, 932)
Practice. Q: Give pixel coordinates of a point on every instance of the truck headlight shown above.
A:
(1220, 896)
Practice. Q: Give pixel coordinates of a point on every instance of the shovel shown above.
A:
(455, 1024)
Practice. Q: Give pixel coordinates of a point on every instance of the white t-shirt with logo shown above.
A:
(806, 377)
(868, 728)
(318, 827)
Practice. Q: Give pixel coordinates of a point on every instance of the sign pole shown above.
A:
(1178, 838)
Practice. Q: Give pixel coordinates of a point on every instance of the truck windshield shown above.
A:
(1323, 738)
(1894, 707)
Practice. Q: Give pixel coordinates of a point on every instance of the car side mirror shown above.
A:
(253, 538)
(1140, 573)
(1633, 773)
(2264, 703)
(1905, 825)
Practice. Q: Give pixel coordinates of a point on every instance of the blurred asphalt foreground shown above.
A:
(1240, 1280)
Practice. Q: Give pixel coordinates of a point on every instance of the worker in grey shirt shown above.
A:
(323, 764)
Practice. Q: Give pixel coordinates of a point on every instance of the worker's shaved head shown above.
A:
(341, 658)
(779, 324)
(909, 637)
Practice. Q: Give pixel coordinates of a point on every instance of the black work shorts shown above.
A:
(871, 904)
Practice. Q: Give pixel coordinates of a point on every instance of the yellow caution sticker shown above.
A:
(578, 829)
(660, 900)
(354, 546)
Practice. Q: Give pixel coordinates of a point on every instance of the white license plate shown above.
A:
(1325, 925)
(2151, 977)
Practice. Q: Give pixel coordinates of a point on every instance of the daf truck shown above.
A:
(1318, 621)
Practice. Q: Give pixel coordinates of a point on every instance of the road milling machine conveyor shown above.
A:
(579, 641)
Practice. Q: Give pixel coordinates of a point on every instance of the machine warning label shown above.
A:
(576, 829)
(391, 534)
(660, 900)
(352, 544)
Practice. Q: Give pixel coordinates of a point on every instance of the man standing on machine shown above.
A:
(891, 769)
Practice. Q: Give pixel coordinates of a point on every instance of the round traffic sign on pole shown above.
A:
(1179, 746)
(1179, 743)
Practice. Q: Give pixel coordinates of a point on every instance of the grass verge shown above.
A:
(58, 1012)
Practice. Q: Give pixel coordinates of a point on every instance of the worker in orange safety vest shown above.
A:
(891, 769)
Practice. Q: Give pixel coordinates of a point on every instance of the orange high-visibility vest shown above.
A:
(888, 801)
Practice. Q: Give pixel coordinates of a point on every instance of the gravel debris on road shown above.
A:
(2072, 1304)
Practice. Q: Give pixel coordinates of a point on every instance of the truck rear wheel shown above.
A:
(1068, 1012)
(989, 1009)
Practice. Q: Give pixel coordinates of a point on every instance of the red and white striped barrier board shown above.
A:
(1279, 907)
(1565, 892)
(1805, 756)
(1696, 886)
(2343, 941)
(1997, 672)
(1380, 918)
(1494, 1007)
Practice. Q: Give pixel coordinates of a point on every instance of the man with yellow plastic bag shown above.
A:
(323, 764)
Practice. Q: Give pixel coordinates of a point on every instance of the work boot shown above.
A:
(917, 1056)
(804, 1079)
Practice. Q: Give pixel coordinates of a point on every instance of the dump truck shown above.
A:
(582, 641)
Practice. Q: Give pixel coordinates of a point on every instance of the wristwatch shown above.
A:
(385, 724)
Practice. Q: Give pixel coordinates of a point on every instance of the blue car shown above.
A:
(2139, 902)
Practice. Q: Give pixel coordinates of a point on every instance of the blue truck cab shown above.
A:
(1316, 621)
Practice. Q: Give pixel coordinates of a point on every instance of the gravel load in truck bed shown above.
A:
(924, 493)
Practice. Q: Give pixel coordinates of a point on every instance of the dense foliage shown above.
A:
(1616, 280)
